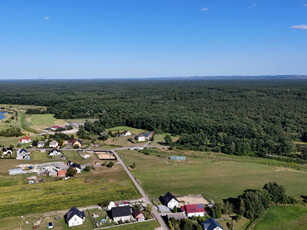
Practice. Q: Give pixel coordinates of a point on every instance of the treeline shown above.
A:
(11, 132)
(252, 204)
(234, 117)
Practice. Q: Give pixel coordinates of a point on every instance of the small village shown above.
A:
(127, 212)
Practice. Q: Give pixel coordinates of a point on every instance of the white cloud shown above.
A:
(47, 18)
(204, 9)
(300, 27)
(305, 5)
(252, 6)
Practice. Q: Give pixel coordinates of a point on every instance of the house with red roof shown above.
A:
(193, 210)
(61, 173)
(25, 140)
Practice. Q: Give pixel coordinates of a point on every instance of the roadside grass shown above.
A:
(215, 179)
(283, 217)
(149, 225)
(40, 156)
(101, 184)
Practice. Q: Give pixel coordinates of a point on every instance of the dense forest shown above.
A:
(243, 117)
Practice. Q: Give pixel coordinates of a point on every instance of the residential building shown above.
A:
(121, 214)
(77, 167)
(53, 144)
(140, 137)
(25, 140)
(138, 215)
(61, 173)
(211, 224)
(193, 210)
(22, 154)
(7, 151)
(149, 135)
(74, 217)
(126, 133)
(41, 144)
(55, 152)
(170, 201)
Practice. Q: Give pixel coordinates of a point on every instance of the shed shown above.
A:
(16, 171)
(178, 158)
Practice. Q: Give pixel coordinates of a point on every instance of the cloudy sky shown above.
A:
(151, 38)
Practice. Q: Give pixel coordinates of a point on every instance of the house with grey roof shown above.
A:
(211, 224)
(74, 217)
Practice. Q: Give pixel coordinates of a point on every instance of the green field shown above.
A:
(215, 178)
(44, 120)
(122, 128)
(283, 217)
(17, 198)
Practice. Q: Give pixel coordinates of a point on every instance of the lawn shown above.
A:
(102, 184)
(73, 156)
(149, 225)
(283, 217)
(215, 179)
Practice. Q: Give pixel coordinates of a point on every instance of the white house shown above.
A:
(196, 210)
(140, 137)
(55, 152)
(53, 144)
(40, 144)
(211, 224)
(111, 205)
(22, 154)
(170, 201)
(74, 217)
(7, 151)
(126, 133)
(25, 140)
(121, 214)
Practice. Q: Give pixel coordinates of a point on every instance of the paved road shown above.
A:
(145, 197)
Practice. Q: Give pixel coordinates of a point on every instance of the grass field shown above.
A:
(122, 128)
(17, 198)
(45, 120)
(283, 217)
(215, 179)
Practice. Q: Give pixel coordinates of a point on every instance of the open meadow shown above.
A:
(215, 178)
(283, 217)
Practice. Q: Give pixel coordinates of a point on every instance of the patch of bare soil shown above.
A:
(192, 199)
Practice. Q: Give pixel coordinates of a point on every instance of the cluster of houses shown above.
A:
(144, 136)
(120, 212)
(190, 210)
(52, 144)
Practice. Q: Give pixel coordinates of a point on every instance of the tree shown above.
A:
(228, 208)
(276, 192)
(71, 172)
(168, 140)
(110, 164)
(133, 166)
(87, 168)
(34, 142)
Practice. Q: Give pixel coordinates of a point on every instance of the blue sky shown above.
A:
(151, 38)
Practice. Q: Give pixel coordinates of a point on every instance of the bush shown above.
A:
(110, 164)
(87, 168)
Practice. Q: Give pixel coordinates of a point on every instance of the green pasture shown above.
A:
(213, 178)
